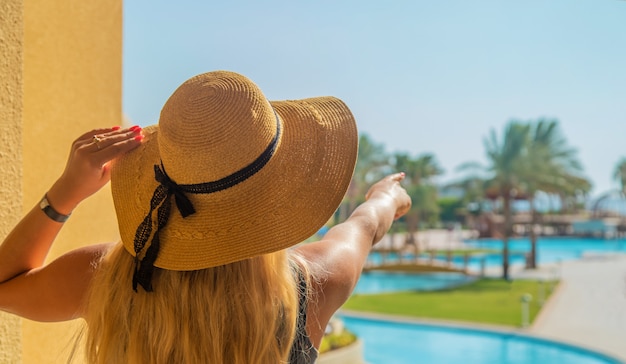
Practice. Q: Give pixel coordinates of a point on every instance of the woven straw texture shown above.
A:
(215, 124)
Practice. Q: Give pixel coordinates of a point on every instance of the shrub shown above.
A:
(334, 341)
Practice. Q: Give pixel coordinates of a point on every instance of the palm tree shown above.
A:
(554, 168)
(530, 157)
(620, 174)
(473, 187)
(507, 168)
(419, 184)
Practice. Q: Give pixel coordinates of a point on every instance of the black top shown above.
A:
(302, 350)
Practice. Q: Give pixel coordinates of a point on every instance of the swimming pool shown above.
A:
(556, 249)
(549, 250)
(384, 282)
(391, 342)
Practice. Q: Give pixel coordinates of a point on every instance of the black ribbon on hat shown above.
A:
(162, 202)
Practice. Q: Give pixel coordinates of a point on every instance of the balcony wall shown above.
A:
(61, 74)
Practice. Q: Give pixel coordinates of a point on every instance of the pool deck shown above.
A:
(588, 308)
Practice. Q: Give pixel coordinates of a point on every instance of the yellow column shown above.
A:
(11, 80)
(72, 82)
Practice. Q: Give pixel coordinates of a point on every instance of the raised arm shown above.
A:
(49, 293)
(339, 257)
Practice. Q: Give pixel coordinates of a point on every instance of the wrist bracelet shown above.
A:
(45, 206)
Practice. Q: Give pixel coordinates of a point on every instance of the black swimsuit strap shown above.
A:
(302, 350)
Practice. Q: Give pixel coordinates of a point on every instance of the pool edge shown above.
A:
(487, 329)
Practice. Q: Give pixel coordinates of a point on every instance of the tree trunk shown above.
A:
(506, 209)
(532, 263)
(565, 208)
(412, 224)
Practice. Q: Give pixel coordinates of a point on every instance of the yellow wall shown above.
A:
(11, 60)
(61, 74)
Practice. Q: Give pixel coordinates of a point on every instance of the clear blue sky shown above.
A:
(419, 76)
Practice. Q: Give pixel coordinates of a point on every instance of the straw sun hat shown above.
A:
(227, 175)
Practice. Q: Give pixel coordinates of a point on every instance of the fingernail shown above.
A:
(402, 174)
(116, 128)
(139, 137)
(135, 128)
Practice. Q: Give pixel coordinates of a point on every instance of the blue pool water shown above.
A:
(408, 343)
(382, 282)
(556, 249)
(549, 250)
(399, 343)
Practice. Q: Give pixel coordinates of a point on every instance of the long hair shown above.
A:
(243, 312)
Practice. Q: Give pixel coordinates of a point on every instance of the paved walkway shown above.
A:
(429, 239)
(588, 308)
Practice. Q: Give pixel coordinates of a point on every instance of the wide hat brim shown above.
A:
(284, 203)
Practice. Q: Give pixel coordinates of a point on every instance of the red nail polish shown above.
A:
(135, 128)
(116, 128)
(139, 137)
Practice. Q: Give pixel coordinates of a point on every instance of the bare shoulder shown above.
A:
(56, 291)
(90, 253)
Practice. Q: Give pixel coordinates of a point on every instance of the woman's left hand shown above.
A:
(89, 165)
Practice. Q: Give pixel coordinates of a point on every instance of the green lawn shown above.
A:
(490, 301)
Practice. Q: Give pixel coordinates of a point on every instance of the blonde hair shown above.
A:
(243, 312)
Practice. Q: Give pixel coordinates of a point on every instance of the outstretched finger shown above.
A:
(397, 176)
